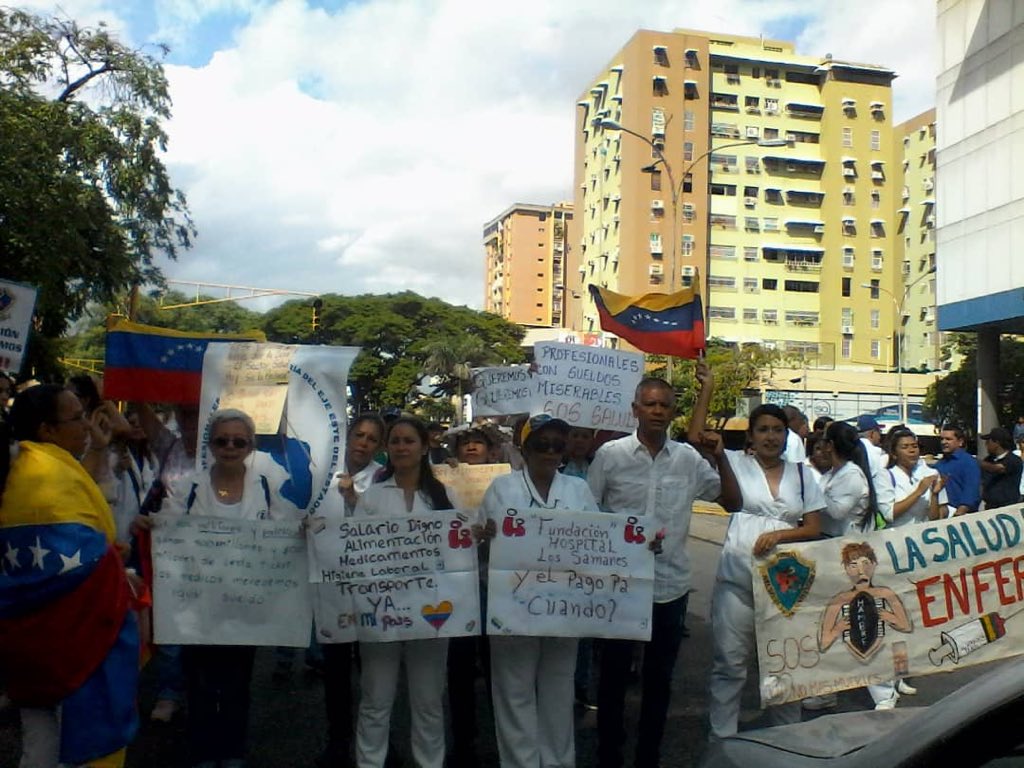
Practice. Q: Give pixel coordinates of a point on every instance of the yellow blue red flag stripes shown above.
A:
(657, 323)
(159, 365)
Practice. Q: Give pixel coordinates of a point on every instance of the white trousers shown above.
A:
(532, 693)
(732, 629)
(882, 691)
(426, 667)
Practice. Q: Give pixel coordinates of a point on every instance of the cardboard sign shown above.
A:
(218, 581)
(256, 381)
(569, 574)
(504, 390)
(17, 303)
(901, 602)
(469, 482)
(408, 577)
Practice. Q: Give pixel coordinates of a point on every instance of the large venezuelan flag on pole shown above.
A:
(157, 365)
(657, 323)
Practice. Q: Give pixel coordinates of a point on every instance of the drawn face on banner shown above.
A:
(860, 570)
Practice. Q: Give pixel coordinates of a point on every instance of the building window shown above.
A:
(848, 257)
(847, 318)
(801, 318)
(771, 133)
(687, 150)
(689, 120)
(687, 245)
(847, 137)
(876, 319)
(847, 287)
(849, 227)
(752, 103)
(771, 107)
(688, 183)
(722, 313)
(750, 284)
(721, 283)
(769, 284)
(876, 260)
(876, 349)
(876, 199)
(753, 164)
(688, 213)
(849, 197)
(655, 181)
(732, 74)
(875, 289)
(661, 55)
(770, 224)
(847, 344)
(801, 286)
(727, 190)
(723, 221)
(723, 252)
(692, 62)
(751, 224)
(876, 140)
(750, 253)
(770, 316)
(750, 315)
(659, 86)
(877, 228)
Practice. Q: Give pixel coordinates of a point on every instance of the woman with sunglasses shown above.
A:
(407, 486)
(782, 504)
(918, 489)
(532, 677)
(217, 676)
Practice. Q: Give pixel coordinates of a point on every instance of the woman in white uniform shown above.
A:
(781, 504)
(532, 677)
(855, 502)
(919, 492)
(407, 485)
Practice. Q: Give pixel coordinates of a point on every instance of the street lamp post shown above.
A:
(901, 339)
(677, 189)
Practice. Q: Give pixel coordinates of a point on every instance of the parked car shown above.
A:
(978, 725)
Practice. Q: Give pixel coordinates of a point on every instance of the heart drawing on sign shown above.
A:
(438, 614)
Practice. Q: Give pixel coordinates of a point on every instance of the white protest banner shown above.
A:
(588, 386)
(569, 574)
(218, 581)
(299, 461)
(907, 601)
(504, 390)
(411, 577)
(17, 302)
(256, 381)
(469, 481)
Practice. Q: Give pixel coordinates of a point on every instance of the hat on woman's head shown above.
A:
(541, 421)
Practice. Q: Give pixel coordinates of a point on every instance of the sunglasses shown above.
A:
(234, 442)
(543, 445)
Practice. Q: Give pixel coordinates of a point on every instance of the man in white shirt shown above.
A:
(871, 435)
(655, 479)
(796, 434)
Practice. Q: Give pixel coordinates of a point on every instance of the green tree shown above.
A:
(954, 397)
(397, 333)
(86, 204)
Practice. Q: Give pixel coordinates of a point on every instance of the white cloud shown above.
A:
(362, 149)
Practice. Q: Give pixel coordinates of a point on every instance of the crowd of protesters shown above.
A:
(79, 466)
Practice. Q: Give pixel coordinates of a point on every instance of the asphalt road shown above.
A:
(288, 728)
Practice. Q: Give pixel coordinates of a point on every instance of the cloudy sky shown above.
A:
(352, 147)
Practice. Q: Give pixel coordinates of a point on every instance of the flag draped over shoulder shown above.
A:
(159, 365)
(657, 323)
(67, 636)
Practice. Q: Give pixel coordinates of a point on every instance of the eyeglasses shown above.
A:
(234, 442)
(542, 445)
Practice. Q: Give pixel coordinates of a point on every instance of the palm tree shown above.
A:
(451, 360)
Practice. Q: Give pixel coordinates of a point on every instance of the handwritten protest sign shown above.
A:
(569, 574)
(17, 303)
(907, 601)
(585, 386)
(412, 577)
(256, 381)
(218, 581)
(504, 390)
(469, 481)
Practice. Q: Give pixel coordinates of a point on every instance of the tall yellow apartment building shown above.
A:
(526, 248)
(922, 341)
(782, 236)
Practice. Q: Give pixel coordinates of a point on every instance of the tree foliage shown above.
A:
(954, 397)
(404, 337)
(86, 204)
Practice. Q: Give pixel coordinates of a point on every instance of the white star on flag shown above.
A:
(11, 555)
(70, 563)
(38, 553)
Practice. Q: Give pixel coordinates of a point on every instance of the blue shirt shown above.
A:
(963, 479)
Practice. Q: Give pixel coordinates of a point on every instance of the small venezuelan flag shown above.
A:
(656, 323)
(157, 365)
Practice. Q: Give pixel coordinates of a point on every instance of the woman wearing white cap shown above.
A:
(532, 677)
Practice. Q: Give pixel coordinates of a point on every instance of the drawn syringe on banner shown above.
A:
(969, 637)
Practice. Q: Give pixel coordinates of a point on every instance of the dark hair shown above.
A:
(766, 409)
(847, 445)
(366, 418)
(84, 386)
(821, 422)
(429, 485)
(897, 434)
(956, 429)
(793, 415)
(32, 408)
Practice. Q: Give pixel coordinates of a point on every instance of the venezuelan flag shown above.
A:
(157, 365)
(657, 323)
